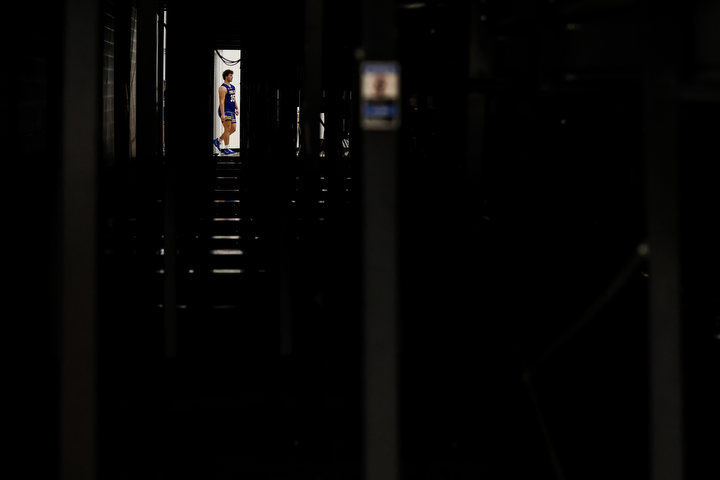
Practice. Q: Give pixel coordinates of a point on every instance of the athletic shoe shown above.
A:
(227, 151)
(216, 142)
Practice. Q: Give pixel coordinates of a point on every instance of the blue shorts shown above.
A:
(229, 115)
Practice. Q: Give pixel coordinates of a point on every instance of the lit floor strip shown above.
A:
(226, 251)
(227, 270)
(226, 219)
(225, 237)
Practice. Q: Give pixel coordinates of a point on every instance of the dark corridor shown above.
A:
(512, 277)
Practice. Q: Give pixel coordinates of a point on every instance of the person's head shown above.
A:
(226, 74)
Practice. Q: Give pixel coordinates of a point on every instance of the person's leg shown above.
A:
(218, 141)
(219, 138)
(230, 132)
(225, 137)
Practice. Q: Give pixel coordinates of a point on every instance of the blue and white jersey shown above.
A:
(229, 98)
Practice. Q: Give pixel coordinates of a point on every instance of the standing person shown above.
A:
(228, 112)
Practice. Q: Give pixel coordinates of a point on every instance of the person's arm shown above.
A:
(222, 91)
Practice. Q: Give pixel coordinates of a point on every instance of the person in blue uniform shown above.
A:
(228, 112)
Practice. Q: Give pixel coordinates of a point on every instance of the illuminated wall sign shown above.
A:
(380, 95)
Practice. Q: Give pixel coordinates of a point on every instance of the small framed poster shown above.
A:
(380, 95)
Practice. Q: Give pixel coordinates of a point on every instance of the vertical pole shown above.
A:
(381, 440)
(313, 77)
(477, 66)
(80, 121)
(663, 51)
(170, 281)
(169, 211)
(147, 81)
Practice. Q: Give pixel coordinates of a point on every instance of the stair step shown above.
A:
(227, 251)
(228, 271)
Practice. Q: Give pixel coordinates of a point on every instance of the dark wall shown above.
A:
(701, 326)
(521, 203)
(30, 103)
